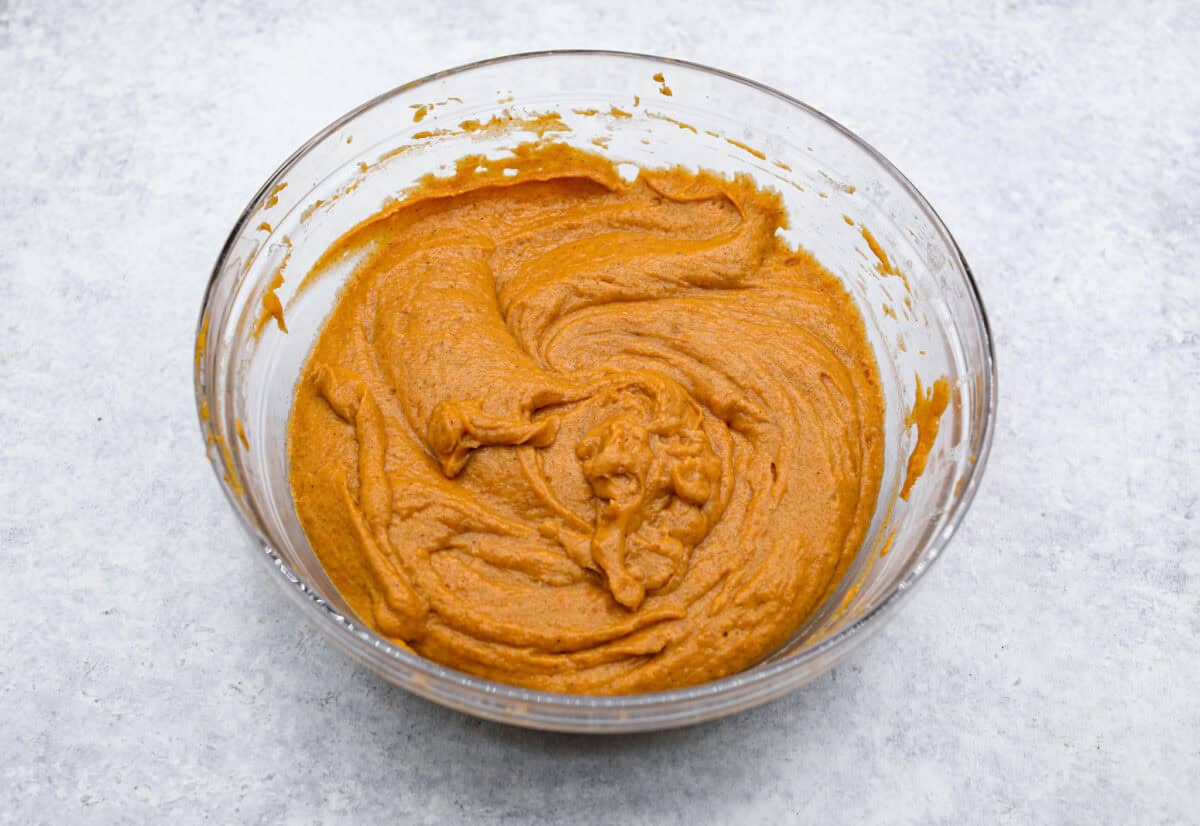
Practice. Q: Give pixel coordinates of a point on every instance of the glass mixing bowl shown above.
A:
(651, 112)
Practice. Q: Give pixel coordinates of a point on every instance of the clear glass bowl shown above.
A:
(694, 116)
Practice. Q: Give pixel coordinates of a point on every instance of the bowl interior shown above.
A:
(923, 325)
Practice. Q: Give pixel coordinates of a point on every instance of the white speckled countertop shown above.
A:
(1048, 670)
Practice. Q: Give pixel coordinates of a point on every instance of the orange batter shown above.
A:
(582, 434)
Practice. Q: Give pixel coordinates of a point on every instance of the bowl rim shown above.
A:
(624, 712)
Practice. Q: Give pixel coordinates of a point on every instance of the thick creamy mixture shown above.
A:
(583, 434)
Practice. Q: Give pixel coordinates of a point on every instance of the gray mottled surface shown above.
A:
(1046, 672)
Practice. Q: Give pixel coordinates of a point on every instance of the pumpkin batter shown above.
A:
(579, 433)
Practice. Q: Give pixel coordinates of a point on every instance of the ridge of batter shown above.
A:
(584, 434)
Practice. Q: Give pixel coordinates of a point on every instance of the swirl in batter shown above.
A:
(584, 434)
